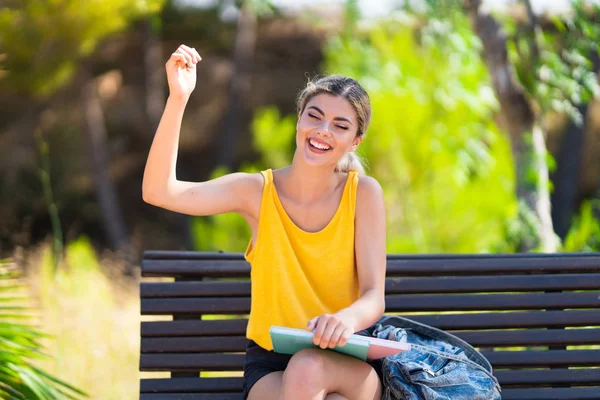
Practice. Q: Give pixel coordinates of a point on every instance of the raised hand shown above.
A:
(181, 71)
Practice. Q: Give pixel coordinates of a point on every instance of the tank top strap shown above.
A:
(352, 188)
(267, 209)
(268, 175)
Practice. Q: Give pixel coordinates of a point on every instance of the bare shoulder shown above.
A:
(368, 191)
(251, 183)
(248, 186)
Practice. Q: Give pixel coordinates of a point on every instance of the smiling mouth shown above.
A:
(318, 146)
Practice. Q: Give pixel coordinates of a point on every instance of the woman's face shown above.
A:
(326, 130)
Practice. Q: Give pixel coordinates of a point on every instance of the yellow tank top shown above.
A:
(298, 275)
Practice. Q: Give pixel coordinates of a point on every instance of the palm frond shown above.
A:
(20, 345)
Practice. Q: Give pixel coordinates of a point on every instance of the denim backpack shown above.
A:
(438, 366)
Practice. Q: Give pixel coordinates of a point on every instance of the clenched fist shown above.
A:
(181, 71)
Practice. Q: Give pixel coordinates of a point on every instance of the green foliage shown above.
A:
(584, 234)
(19, 378)
(43, 41)
(563, 76)
(433, 146)
(445, 169)
(554, 65)
(273, 138)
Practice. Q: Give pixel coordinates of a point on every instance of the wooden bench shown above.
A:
(535, 317)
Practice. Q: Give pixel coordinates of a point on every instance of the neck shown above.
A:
(306, 183)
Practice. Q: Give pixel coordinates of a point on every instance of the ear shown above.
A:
(356, 142)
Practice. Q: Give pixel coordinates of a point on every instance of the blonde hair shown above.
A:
(358, 98)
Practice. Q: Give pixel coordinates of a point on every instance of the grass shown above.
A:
(93, 320)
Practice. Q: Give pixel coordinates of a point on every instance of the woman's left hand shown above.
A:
(331, 330)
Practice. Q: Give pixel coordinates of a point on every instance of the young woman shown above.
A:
(318, 237)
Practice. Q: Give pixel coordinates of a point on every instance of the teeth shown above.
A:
(318, 145)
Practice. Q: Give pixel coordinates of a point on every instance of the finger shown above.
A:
(336, 335)
(311, 324)
(178, 59)
(320, 328)
(187, 57)
(194, 56)
(345, 336)
(197, 54)
(326, 339)
(326, 332)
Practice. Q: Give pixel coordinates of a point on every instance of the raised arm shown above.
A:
(231, 193)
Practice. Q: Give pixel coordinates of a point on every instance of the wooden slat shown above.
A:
(194, 328)
(203, 344)
(194, 268)
(449, 322)
(499, 359)
(192, 396)
(194, 344)
(183, 385)
(190, 255)
(200, 264)
(492, 264)
(195, 289)
(490, 259)
(500, 302)
(532, 337)
(518, 283)
(535, 378)
(508, 394)
(209, 305)
(522, 378)
(508, 320)
(551, 394)
(398, 303)
(191, 362)
(506, 379)
(549, 358)
(510, 283)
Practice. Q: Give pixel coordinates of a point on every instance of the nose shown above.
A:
(323, 129)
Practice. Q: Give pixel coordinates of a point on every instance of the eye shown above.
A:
(313, 116)
(345, 128)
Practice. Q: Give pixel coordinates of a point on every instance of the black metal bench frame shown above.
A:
(536, 317)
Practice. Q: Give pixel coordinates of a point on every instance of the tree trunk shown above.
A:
(567, 177)
(97, 150)
(154, 100)
(243, 55)
(154, 74)
(527, 138)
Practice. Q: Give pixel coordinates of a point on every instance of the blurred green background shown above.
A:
(485, 135)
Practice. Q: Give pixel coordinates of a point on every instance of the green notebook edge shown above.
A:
(291, 340)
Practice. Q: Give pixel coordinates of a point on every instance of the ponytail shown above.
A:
(350, 162)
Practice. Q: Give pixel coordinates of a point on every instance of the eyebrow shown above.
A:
(335, 119)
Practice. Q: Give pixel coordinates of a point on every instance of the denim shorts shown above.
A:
(260, 362)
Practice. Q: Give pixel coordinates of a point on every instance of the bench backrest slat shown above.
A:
(518, 283)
